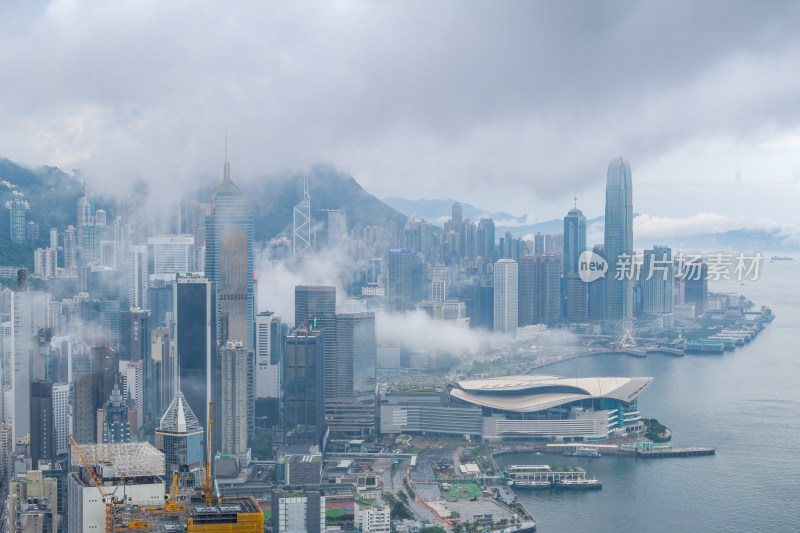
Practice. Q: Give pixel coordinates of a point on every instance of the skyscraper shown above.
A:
(43, 438)
(353, 406)
(485, 238)
(657, 278)
(116, 424)
(316, 305)
(268, 357)
(304, 412)
(229, 261)
(506, 317)
(234, 400)
(399, 294)
(180, 437)
(137, 277)
(575, 291)
(196, 344)
(574, 239)
(539, 290)
(618, 243)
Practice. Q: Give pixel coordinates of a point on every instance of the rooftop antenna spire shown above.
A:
(227, 167)
(575, 198)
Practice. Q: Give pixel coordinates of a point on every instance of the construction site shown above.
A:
(129, 479)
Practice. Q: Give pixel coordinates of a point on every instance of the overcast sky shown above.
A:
(513, 106)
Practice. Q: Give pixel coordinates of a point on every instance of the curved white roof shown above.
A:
(537, 392)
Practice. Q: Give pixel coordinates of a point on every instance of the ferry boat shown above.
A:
(531, 484)
(781, 258)
(578, 484)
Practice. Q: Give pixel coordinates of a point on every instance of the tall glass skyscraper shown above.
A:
(618, 241)
(574, 290)
(196, 345)
(352, 409)
(229, 261)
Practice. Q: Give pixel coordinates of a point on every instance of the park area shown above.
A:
(457, 491)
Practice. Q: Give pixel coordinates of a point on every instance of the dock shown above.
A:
(686, 451)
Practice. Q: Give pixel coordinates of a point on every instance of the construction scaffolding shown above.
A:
(130, 459)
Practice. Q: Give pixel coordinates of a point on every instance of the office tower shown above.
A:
(575, 291)
(62, 417)
(84, 413)
(440, 275)
(135, 347)
(135, 393)
(316, 305)
(137, 277)
(337, 227)
(164, 368)
(196, 344)
(17, 207)
(352, 409)
(171, 255)
(506, 316)
(28, 317)
(302, 245)
(229, 261)
(159, 301)
(268, 362)
(234, 401)
(116, 425)
(597, 292)
(43, 439)
(180, 438)
(304, 397)
(618, 242)
(539, 290)
(399, 293)
(695, 286)
(54, 238)
(574, 239)
(657, 277)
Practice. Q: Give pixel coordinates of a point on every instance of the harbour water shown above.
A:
(746, 403)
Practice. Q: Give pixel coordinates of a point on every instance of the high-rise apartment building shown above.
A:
(234, 400)
(506, 315)
(539, 290)
(618, 243)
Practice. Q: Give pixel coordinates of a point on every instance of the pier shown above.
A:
(686, 451)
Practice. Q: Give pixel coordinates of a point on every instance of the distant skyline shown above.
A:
(513, 107)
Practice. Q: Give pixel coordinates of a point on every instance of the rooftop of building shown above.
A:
(179, 418)
(539, 392)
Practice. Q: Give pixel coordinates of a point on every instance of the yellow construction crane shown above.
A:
(207, 485)
(107, 499)
(172, 505)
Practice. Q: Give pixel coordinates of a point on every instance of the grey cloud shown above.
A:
(498, 98)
